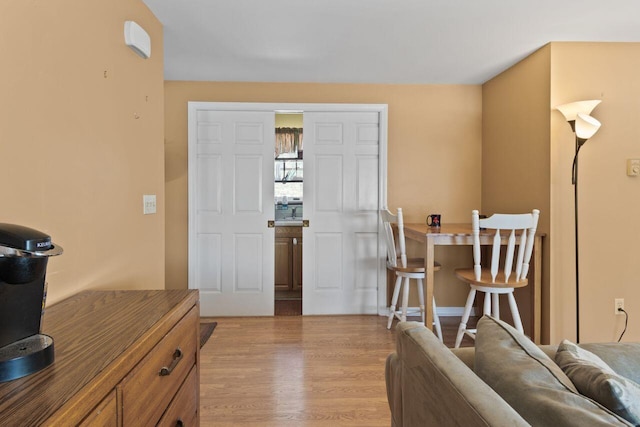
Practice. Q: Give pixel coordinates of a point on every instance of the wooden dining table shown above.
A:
(461, 234)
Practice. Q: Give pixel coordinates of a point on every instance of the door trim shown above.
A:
(381, 109)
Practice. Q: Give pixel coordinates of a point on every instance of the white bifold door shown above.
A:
(231, 249)
(341, 192)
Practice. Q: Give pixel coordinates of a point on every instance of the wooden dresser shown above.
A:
(122, 358)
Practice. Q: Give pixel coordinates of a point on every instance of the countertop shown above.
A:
(288, 223)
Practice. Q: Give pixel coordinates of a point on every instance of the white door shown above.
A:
(341, 200)
(231, 250)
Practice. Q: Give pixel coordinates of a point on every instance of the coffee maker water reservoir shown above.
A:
(24, 253)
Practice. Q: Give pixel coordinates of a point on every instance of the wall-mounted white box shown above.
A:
(148, 204)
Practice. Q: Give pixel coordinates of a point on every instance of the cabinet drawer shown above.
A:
(183, 410)
(103, 415)
(148, 389)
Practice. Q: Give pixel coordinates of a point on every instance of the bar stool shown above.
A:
(405, 270)
(491, 281)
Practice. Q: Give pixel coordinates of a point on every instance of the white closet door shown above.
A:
(341, 190)
(231, 250)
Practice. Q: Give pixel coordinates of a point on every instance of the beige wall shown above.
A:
(75, 159)
(288, 120)
(532, 144)
(434, 149)
(609, 206)
(515, 152)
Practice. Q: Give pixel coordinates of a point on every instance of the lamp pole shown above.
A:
(584, 126)
(574, 181)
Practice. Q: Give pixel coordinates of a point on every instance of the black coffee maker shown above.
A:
(24, 253)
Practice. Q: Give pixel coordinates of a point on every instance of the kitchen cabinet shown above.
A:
(122, 358)
(288, 258)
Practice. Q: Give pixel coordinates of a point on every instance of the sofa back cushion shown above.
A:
(531, 382)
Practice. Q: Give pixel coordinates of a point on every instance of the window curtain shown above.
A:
(288, 140)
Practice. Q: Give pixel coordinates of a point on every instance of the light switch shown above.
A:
(633, 167)
(149, 203)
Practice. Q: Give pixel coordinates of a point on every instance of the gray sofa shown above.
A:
(431, 385)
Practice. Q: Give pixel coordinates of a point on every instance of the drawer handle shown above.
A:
(177, 357)
(179, 423)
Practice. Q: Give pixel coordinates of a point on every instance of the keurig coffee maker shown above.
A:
(24, 253)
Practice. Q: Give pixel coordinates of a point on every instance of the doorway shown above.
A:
(231, 196)
(289, 212)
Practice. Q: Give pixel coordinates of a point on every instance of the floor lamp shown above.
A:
(584, 126)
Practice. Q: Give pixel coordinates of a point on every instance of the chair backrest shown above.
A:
(395, 249)
(523, 224)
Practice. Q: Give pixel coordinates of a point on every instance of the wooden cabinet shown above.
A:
(283, 267)
(296, 263)
(288, 258)
(103, 415)
(122, 358)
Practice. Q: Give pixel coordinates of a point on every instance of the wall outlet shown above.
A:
(619, 303)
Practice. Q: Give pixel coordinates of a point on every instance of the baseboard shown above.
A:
(453, 311)
(442, 311)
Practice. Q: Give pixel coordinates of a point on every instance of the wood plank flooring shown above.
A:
(302, 371)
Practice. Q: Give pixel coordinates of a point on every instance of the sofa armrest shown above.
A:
(393, 377)
(436, 388)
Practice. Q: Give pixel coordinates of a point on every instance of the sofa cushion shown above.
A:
(595, 379)
(531, 382)
(622, 357)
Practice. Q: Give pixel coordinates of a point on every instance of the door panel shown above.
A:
(230, 201)
(329, 184)
(209, 260)
(341, 199)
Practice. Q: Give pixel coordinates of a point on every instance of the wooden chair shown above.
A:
(405, 270)
(492, 281)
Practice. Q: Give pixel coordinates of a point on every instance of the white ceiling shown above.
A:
(375, 41)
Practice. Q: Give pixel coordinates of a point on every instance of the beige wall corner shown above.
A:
(526, 141)
(82, 140)
(515, 153)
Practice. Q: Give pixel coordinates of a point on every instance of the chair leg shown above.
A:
(436, 319)
(394, 301)
(405, 299)
(465, 317)
(421, 298)
(515, 313)
(487, 304)
(495, 305)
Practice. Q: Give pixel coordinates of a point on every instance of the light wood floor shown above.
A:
(298, 371)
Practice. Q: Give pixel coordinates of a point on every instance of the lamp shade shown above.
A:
(586, 126)
(572, 109)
